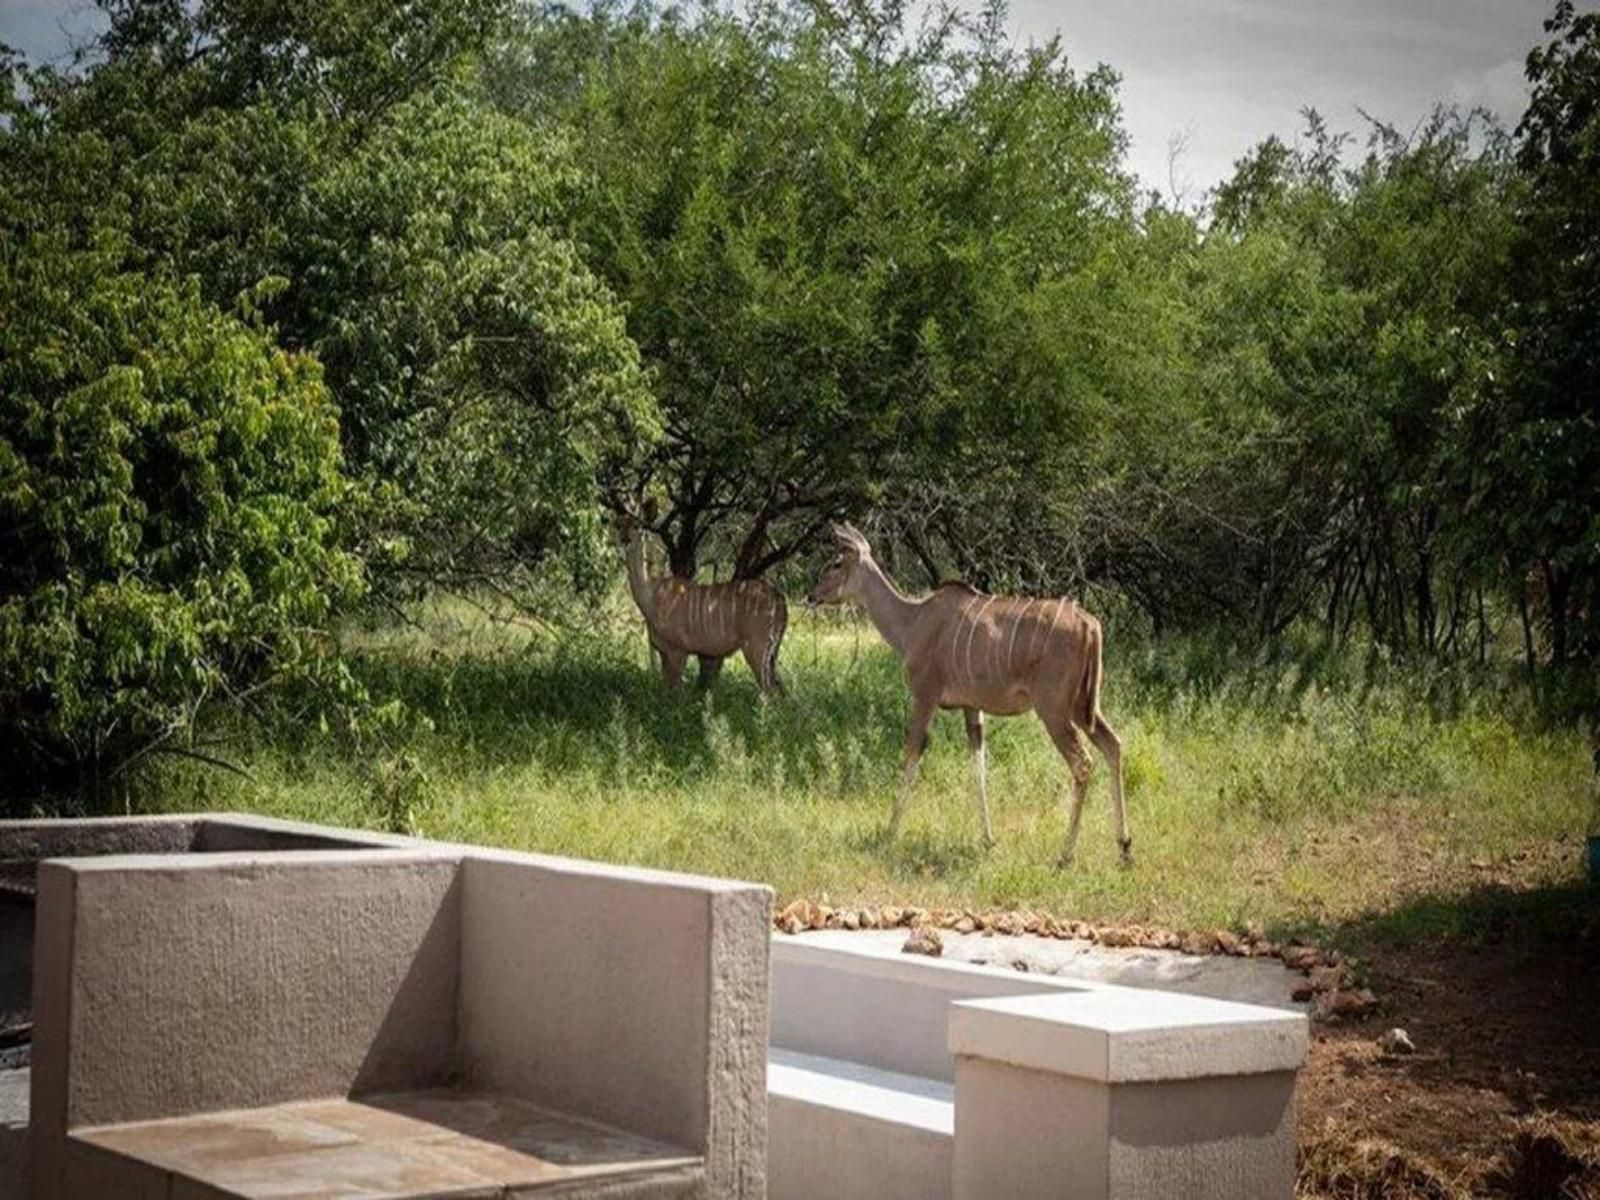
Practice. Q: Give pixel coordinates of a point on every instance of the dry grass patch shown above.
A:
(1338, 1167)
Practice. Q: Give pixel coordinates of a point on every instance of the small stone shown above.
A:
(1396, 1042)
(1302, 992)
(1227, 943)
(924, 940)
(891, 916)
(1356, 1003)
(871, 918)
(1196, 944)
(964, 925)
(1327, 979)
(791, 924)
(1116, 937)
(1300, 958)
(851, 919)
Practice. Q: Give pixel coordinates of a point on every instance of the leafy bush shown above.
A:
(484, 376)
(170, 489)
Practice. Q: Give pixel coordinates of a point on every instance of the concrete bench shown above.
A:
(835, 1123)
(900, 1076)
(860, 1075)
(485, 1023)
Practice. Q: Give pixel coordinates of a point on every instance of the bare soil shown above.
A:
(1506, 1023)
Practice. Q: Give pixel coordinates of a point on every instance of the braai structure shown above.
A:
(987, 654)
(709, 621)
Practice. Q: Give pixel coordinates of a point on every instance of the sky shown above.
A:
(1212, 76)
(1220, 75)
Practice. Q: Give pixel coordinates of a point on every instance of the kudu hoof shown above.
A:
(1127, 851)
(1064, 862)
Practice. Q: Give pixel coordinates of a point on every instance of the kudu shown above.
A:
(987, 654)
(709, 621)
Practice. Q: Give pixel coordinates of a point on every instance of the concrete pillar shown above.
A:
(1115, 1094)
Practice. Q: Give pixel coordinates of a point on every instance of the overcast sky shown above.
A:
(1219, 75)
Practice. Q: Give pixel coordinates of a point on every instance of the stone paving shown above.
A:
(412, 1144)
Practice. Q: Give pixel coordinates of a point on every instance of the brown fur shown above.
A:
(989, 654)
(709, 621)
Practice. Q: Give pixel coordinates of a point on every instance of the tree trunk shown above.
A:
(1527, 629)
(1556, 587)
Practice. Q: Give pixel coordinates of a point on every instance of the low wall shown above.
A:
(887, 1010)
(670, 976)
(203, 977)
(1061, 1089)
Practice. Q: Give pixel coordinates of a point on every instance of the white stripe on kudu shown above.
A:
(977, 623)
(1016, 623)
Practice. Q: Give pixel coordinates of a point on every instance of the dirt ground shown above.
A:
(1506, 1024)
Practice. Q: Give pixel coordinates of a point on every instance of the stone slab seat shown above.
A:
(423, 1020)
(839, 1116)
(396, 1146)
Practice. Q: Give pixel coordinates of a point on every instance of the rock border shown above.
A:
(1331, 978)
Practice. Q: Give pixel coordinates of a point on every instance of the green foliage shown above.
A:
(853, 250)
(484, 377)
(170, 493)
(329, 172)
(1543, 431)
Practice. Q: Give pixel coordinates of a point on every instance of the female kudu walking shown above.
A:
(987, 654)
(709, 621)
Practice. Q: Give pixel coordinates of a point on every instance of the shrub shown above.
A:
(170, 496)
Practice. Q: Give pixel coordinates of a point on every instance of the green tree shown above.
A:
(484, 376)
(1540, 443)
(850, 248)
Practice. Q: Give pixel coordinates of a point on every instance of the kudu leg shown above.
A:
(1110, 745)
(763, 663)
(672, 662)
(1069, 741)
(710, 668)
(916, 742)
(980, 761)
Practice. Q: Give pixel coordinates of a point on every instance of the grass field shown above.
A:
(1301, 793)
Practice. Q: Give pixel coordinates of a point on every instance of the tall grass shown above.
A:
(1304, 789)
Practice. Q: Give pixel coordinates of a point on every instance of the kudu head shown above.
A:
(624, 520)
(841, 580)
